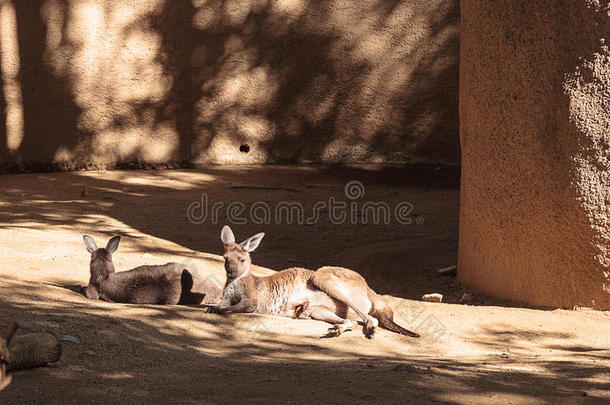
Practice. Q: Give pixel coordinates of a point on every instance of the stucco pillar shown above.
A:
(535, 134)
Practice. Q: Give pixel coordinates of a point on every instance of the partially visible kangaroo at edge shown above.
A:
(171, 283)
(5, 356)
(331, 294)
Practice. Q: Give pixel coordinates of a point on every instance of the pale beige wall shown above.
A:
(110, 81)
(535, 131)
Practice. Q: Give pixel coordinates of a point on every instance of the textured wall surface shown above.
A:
(112, 81)
(535, 134)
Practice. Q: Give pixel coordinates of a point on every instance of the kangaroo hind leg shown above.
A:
(350, 288)
(325, 314)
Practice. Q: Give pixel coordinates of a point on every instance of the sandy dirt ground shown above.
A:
(485, 352)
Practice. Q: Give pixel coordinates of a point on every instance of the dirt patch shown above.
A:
(138, 354)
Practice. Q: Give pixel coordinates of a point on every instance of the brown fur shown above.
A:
(5, 356)
(332, 294)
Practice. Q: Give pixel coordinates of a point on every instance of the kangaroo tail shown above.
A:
(385, 315)
(389, 324)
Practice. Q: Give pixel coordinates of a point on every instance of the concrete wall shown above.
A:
(535, 133)
(100, 82)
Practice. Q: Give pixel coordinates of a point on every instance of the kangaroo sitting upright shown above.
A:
(171, 283)
(331, 294)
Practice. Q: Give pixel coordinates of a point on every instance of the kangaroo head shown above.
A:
(237, 255)
(5, 357)
(101, 259)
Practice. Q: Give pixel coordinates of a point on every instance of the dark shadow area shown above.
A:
(579, 362)
(50, 113)
(187, 295)
(179, 41)
(138, 355)
(436, 93)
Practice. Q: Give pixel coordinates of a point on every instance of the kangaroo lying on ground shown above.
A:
(171, 283)
(5, 357)
(331, 294)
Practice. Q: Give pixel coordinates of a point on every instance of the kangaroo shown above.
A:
(170, 284)
(5, 356)
(335, 295)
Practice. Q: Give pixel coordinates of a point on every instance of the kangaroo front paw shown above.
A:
(333, 331)
(91, 292)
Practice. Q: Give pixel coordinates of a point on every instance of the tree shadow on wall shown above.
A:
(310, 85)
(320, 94)
(50, 113)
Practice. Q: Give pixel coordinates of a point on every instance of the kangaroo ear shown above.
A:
(89, 244)
(226, 235)
(113, 244)
(10, 331)
(252, 242)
